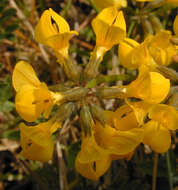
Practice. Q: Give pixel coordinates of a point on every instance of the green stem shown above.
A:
(169, 170)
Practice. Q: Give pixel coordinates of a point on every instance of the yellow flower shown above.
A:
(164, 114)
(92, 161)
(24, 74)
(146, 86)
(175, 26)
(156, 136)
(108, 3)
(33, 97)
(117, 142)
(36, 142)
(156, 131)
(93, 170)
(161, 48)
(126, 53)
(52, 30)
(130, 115)
(109, 27)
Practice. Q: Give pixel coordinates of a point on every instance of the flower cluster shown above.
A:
(105, 135)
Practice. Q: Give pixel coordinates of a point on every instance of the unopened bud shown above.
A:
(75, 94)
(156, 23)
(147, 27)
(98, 113)
(173, 100)
(86, 120)
(65, 111)
(168, 72)
(110, 92)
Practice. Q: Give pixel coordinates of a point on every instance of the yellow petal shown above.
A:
(24, 74)
(36, 143)
(126, 156)
(118, 142)
(60, 41)
(175, 25)
(60, 21)
(125, 52)
(141, 55)
(45, 28)
(144, 0)
(146, 86)
(90, 150)
(124, 118)
(53, 30)
(157, 137)
(161, 48)
(109, 27)
(108, 3)
(31, 102)
(93, 170)
(140, 109)
(164, 114)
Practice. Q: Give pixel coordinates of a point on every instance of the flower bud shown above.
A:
(110, 92)
(173, 100)
(98, 113)
(75, 94)
(65, 111)
(147, 27)
(86, 120)
(168, 72)
(157, 25)
(71, 69)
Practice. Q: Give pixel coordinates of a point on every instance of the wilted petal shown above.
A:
(157, 137)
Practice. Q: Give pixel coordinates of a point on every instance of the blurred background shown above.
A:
(17, 21)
